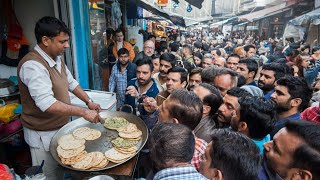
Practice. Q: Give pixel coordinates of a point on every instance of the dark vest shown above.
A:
(32, 117)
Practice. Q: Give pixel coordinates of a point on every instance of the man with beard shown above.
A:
(167, 61)
(142, 86)
(148, 51)
(294, 153)
(224, 80)
(292, 95)
(269, 74)
(229, 106)
(255, 118)
(194, 78)
(121, 74)
(176, 79)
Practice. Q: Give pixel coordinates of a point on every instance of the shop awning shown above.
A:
(174, 18)
(254, 16)
(196, 3)
(312, 17)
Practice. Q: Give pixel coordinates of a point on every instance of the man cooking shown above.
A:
(44, 82)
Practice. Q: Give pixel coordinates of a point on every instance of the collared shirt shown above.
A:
(265, 173)
(260, 143)
(253, 83)
(311, 114)
(281, 123)
(268, 95)
(163, 86)
(36, 77)
(179, 173)
(199, 150)
(118, 84)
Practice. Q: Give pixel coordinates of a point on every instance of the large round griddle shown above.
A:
(103, 143)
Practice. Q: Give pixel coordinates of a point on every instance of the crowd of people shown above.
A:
(225, 107)
(217, 107)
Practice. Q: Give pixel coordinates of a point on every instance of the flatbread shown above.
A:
(134, 139)
(93, 135)
(115, 123)
(84, 163)
(120, 142)
(102, 164)
(126, 151)
(67, 137)
(97, 158)
(69, 153)
(115, 156)
(73, 144)
(75, 159)
(130, 128)
(81, 133)
(135, 134)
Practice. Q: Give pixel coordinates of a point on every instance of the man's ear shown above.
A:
(242, 126)
(295, 102)
(45, 40)
(299, 174)
(252, 74)
(305, 174)
(217, 175)
(175, 120)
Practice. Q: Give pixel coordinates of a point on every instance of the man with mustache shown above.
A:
(229, 106)
(269, 74)
(177, 78)
(167, 61)
(292, 95)
(141, 86)
(148, 51)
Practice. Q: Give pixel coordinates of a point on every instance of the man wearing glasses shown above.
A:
(148, 51)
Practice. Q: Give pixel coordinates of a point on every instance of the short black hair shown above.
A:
(183, 73)
(235, 155)
(214, 100)
(174, 46)
(233, 55)
(196, 70)
(197, 44)
(297, 88)
(145, 60)
(123, 51)
(170, 143)
(251, 64)
(187, 109)
(169, 57)
(198, 54)
(248, 47)
(238, 92)
(208, 74)
(259, 114)
(50, 27)
(279, 69)
(218, 52)
(151, 36)
(119, 31)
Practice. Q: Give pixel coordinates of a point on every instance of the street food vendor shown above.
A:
(44, 82)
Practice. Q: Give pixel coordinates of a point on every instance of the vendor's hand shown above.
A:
(150, 104)
(132, 91)
(94, 106)
(92, 116)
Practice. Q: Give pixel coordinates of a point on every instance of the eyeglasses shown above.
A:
(147, 47)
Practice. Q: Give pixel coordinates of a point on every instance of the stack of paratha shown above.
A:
(71, 150)
(125, 146)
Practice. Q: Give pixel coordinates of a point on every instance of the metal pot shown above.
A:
(7, 87)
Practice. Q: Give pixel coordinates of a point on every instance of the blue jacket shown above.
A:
(152, 92)
(131, 70)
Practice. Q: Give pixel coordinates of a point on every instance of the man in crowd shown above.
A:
(248, 69)
(167, 61)
(177, 78)
(207, 60)
(211, 98)
(220, 62)
(120, 43)
(194, 78)
(187, 53)
(173, 49)
(121, 74)
(233, 61)
(294, 152)
(225, 79)
(156, 63)
(182, 107)
(229, 156)
(229, 106)
(255, 118)
(142, 85)
(269, 74)
(215, 52)
(44, 82)
(292, 95)
(250, 50)
(148, 51)
(171, 150)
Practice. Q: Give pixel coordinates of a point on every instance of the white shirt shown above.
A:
(119, 45)
(37, 78)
